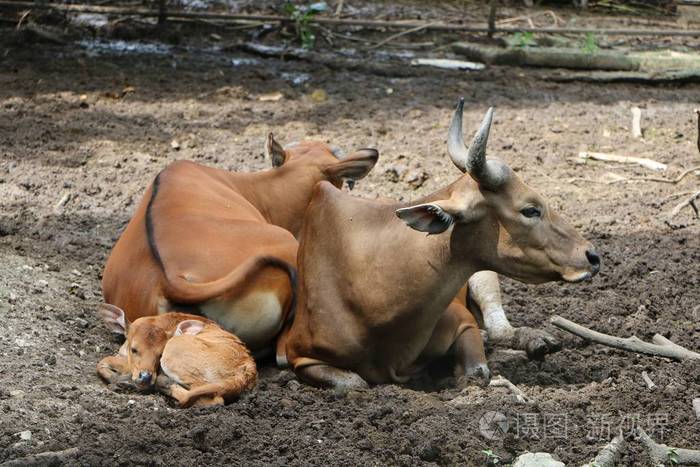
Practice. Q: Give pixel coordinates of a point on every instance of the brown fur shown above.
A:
(207, 237)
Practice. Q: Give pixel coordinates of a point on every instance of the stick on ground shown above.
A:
(696, 407)
(661, 347)
(636, 122)
(650, 384)
(668, 455)
(646, 163)
(610, 454)
(501, 382)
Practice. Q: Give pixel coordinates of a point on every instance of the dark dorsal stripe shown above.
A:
(149, 222)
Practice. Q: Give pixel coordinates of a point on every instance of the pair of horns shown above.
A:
(473, 159)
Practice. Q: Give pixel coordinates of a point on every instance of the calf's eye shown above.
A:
(531, 212)
(134, 351)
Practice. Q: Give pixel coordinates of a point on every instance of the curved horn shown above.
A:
(455, 139)
(472, 160)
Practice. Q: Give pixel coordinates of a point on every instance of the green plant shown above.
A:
(590, 44)
(524, 39)
(673, 456)
(302, 16)
(491, 457)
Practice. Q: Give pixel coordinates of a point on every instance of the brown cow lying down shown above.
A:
(187, 357)
(222, 244)
(376, 278)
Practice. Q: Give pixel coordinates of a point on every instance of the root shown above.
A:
(661, 347)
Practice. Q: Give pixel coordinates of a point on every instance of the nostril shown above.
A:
(145, 377)
(593, 258)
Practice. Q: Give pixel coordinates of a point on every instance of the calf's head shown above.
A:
(319, 162)
(500, 223)
(145, 342)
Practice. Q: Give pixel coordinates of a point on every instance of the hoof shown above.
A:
(535, 342)
(479, 375)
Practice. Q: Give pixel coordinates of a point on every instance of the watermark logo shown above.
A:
(596, 426)
(493, 425)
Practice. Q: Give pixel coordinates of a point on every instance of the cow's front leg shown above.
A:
(485, 291)
(326, 376)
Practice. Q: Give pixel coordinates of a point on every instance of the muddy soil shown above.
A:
(82, 134)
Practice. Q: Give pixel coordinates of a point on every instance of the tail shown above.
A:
(178, 289)
(228, 389)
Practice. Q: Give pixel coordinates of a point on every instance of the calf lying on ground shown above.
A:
(222, 244)
(199, 363)
(374, 287)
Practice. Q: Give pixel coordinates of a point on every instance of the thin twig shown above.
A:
(696, 408)
(401, 34)
(501, 382)
(672, 181)
(339, 9)
(688, 202)
(650, 384)
(21, 20)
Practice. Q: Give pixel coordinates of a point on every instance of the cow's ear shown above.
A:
(430, 218)
(191, 327)
(274, 151)
(114, 318)
(354, 167)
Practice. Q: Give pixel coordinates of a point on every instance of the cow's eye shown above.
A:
(531, 212)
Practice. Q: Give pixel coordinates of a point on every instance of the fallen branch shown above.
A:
(650, 384)
(42, 459)
(646, 163)
(696, 407)
(610, 454)
(501, 382)
(550, 57)
(661, 347)
(663, 454)
(328, 60)
(640, 77)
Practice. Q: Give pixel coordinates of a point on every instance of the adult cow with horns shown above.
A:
(374, 288)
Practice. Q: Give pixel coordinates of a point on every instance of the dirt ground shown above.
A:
(83, 133)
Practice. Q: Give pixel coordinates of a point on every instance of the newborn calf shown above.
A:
(205, 365)
(201, 363)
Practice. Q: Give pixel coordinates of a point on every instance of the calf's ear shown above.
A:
(274, 151)
(429, 218)
(114, 318)
(191, 327)
(354, 167)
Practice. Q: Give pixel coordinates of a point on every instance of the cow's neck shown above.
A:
(281, 195)
(444, 262)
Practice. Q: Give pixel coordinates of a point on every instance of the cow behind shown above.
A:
(222, 244)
